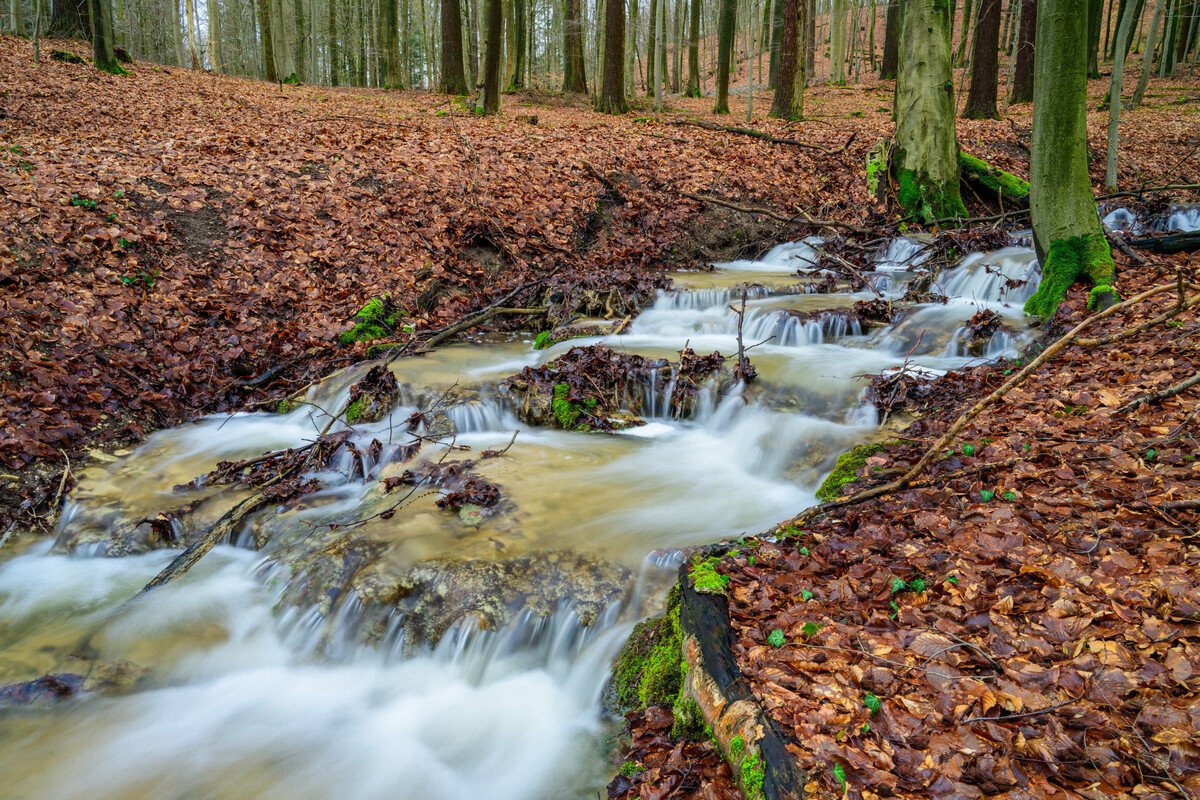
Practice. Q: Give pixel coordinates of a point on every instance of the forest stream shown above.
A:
(249, 678)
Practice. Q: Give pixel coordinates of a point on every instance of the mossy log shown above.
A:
(1171, 243)
(983, 177)
(748, 738)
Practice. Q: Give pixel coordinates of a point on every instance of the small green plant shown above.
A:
(630, 768)
(839, 774)
(1150, 454)
(968, 449)
(805, 594)
(1009, 496)
(753, 773)
(898, 585)
(811, 629)
(986, 496)
(82, 202)
(916, 585)
(866, 727)
(144, 278)
(873, 703)
(706, 579)
(952, 579)
(124, 243)
(776, 638)
(804, 551)
(737, 746)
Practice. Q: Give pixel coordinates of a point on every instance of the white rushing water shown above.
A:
(247, 697)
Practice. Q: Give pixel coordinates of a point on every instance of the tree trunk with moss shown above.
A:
(1156, 20)
(925, 157)
(611, 99)
(1067, 232)
(102, 38)
(1022, 88)
(693, 79)
(494, 38)
(453, 78)
(728, 28)
(1095, 19)
(985, 63)
(519, 17)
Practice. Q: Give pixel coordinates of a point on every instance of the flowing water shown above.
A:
(244, 692)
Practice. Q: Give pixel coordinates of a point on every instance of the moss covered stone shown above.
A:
(566, 412)
(1080, 258)
(286, 406)
(1000, 183)
(66, 57)
(377, 319)
(846, 471)
(648, 671)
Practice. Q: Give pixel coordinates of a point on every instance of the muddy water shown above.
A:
(242, 695)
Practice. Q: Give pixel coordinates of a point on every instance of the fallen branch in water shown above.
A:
(477, 320)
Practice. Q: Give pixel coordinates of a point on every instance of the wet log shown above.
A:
(1171, 243)
(749, 738)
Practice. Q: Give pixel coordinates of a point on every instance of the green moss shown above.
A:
(999, 182)
(689, 720)
(285, 406)
(630, 768)
(542, 341)
(647, 672)
(1102, 296)
(846, 471)
(375, 320)
(923, 198)
(706, 579)
(753, 773)
(737, 745)
(564, 410)
(66, 57)
(1067, 261)
(876, 169)
(354, 411)
(113, 69)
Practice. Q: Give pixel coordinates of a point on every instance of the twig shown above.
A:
(498, 453)
(475, 321)
(1162, 394)
(1024, 714)
(1141, 327)
(853, 270)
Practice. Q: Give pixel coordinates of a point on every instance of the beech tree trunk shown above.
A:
(493, 44)
(16, 16)
(960, 58)
(1022, 89)
(693, 79)
(1156, 22)
(611, 98)
(334, 56)
(789, 57)
(214, 36)
(925, 157)
(454, 79)
(102, 37)
(193, 50)
(1124, 30)
(177, 30)
(891, 50)
(574, 75)
(1066, 228)
(837, 42)
(981, 98)
(1095, 20)
(519, 36)
(728, 29)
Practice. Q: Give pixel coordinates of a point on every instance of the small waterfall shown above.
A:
(1121, 219)
(1184, 219)
(482, 416)
(784, 258)
(983, 276)
(902, 253)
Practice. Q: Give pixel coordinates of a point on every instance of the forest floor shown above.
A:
(174, 243)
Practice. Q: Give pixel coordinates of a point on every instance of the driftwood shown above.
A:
(708, 126)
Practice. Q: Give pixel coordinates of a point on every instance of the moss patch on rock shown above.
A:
(705, 578)
(649, 670)
(1080, 258)
(377, 319)
(846, 471)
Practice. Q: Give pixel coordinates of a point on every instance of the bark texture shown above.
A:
(1022, 88)
(574, 77)
(985, 69)
(693, 79)
(494, 25)
(611, 99)
(728, 28)
(1066, 228)
(891, 49)
(789, 55)
(925, 158)
(454, 78)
